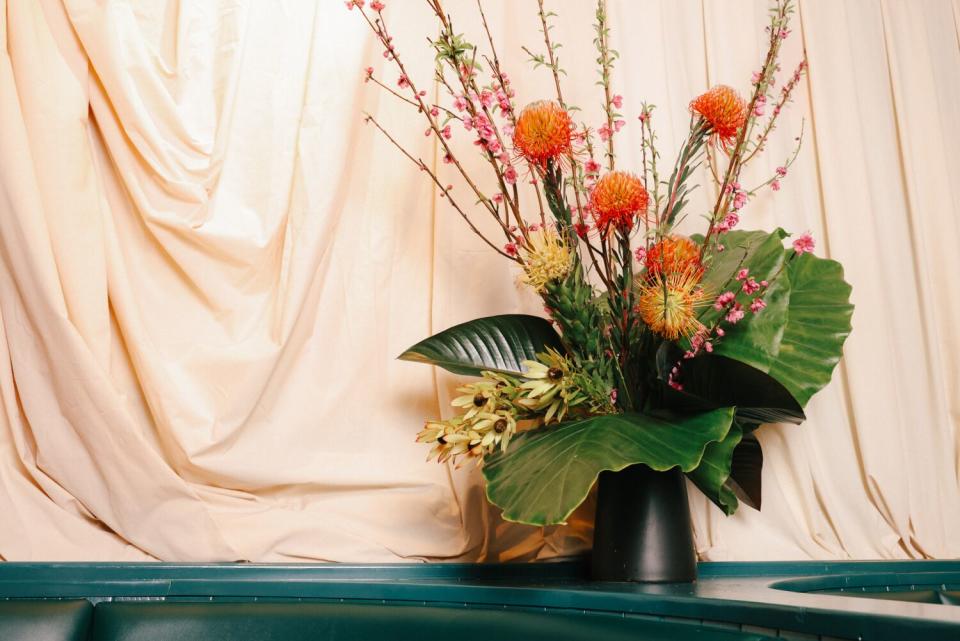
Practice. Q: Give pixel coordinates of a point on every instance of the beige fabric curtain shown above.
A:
(208, 264)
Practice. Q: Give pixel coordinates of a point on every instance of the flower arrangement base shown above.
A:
(642, 531)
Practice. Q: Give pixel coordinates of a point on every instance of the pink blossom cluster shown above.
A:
(760, 105)
(486, 131)
(775, 183)
(672, 378)
(605, 132)
(503, 93)
(737, 201)
(733, 310)
(804, 244)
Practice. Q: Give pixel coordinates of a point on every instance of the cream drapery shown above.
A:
(208, 264)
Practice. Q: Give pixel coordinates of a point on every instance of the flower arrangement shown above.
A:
(658, 348)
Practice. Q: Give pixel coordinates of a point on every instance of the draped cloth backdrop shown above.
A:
(208, 264)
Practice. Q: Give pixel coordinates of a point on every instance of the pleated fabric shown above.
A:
(208, 264)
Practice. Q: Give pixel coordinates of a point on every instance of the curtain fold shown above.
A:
(208, 264)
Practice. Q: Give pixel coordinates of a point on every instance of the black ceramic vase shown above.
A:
(642, 529)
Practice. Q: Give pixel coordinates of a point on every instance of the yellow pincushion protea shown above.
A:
(546, 259)
(668, 304)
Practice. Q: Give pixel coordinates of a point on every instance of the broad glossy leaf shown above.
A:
(818, 323)
(495, 343)
(759, 251)
(756, 339)
(546, 473)
(711, 381)
(712, 474)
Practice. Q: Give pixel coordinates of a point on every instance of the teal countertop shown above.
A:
(800, 600)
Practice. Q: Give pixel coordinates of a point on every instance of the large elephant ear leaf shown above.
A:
(730, 471)
(818, 323)
(494, 343)
(756, 339)
(713, 473)
(546, 473)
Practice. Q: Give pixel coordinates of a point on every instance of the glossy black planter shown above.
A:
(642, 529)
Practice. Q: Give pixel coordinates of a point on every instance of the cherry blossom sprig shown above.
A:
(580, 196)
(649, 156)
(778, 31)
(378, 25)
(506, 105)
(478, 103)
(611, 103)
(435, 109)
(445, 190)
(781, 171)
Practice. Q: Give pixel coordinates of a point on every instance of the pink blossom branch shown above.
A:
(778, 31)
(380, 30)
(785, 96)
(606, 64)
(445, 191)
(555, 70)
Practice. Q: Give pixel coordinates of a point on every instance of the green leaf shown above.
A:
(756, 339)
(818, 323)
(546, 473)
(711, 381)
(494, 343)
(712, 474)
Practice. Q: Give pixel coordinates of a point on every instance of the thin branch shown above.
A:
(445, 191)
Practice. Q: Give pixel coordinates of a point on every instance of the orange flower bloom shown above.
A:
(669, 305)
(724, 109)
(543, 132)
(674, 255)
(617, 199)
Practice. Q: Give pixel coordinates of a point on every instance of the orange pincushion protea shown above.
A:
(543, 132)
(673, 255)
(724, 109)
(617, 199)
